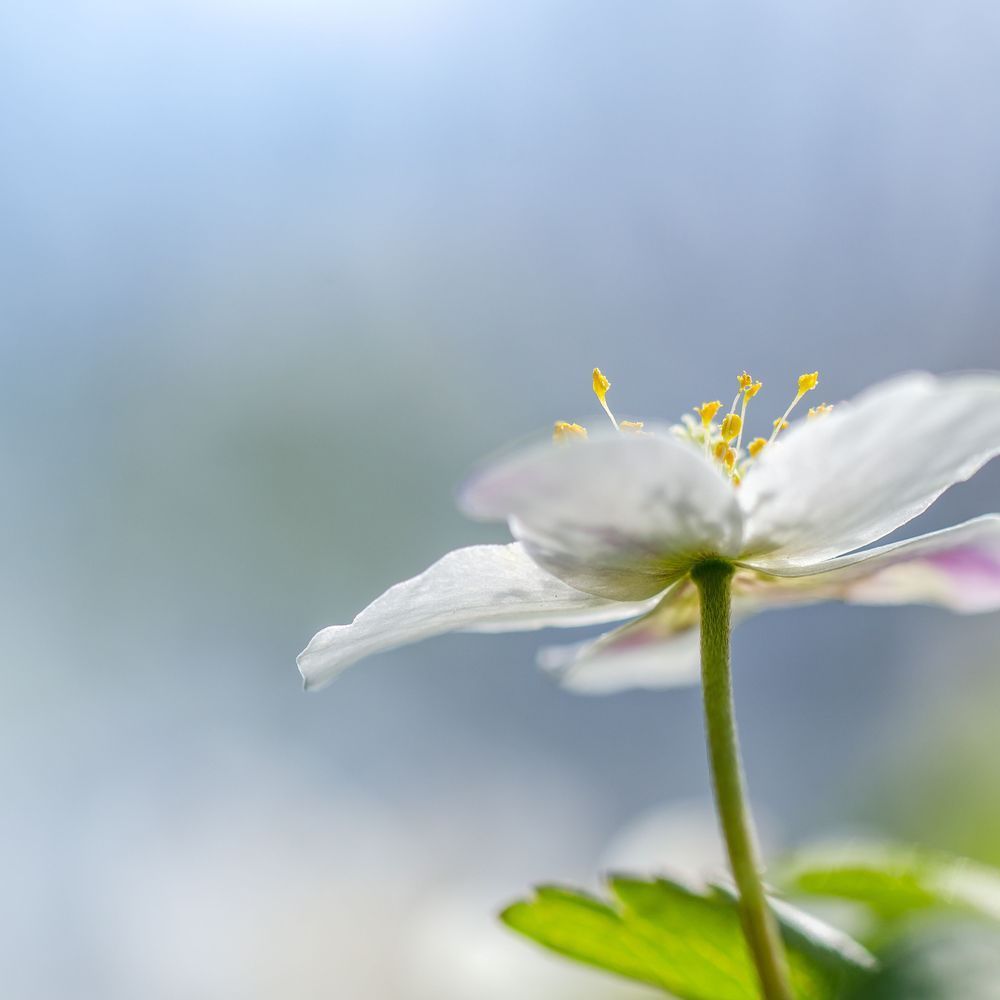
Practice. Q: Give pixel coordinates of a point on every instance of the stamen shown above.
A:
(723, 443)
(563, 432)
(807, 382)
(601, 386)
(707, 412)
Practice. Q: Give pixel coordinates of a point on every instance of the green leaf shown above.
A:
(896, 881)
(688, 943)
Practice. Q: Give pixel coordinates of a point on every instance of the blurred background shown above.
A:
(275, 275)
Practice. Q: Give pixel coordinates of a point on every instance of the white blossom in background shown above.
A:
(459, 950)
(607, 528)
(678, 839)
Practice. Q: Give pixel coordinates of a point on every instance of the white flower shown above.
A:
(608, 529)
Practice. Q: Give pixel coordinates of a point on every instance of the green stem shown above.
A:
(713, 580)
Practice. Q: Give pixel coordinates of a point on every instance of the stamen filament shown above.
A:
(743, 421)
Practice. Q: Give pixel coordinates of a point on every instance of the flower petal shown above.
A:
(658, 650)
(958, 568)
(670, 662)
(834, 484)
(622, 516)
(482, 588)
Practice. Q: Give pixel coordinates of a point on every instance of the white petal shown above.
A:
(622, 516)
(483, 587)
(834, 484)
(958, 568)
(672, 662)
(659, 650)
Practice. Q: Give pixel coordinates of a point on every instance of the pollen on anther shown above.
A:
(631, 426)
(719, 451)
(730, 458)
(707, 411)
(744, 381)
(819, 411)
(756, 446)
(731, 425)
(808, 381)
(563, 431)
(751, 390)
(780, 424)
(601, 384)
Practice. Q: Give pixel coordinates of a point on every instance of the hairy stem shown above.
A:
(713, 581)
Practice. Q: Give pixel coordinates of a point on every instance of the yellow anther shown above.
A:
(744, 381)
(808, 381)
(819, 411)
(601, 386)
(564, 431)
(737, 479)
(720, 449)
(632, 426)
(751, 390)
(731, 425)
(756, 446)
(707, 411)
(730, 458)
(780, 424)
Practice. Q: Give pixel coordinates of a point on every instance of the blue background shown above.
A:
(274, 277)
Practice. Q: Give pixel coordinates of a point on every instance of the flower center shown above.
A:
(721, 442)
